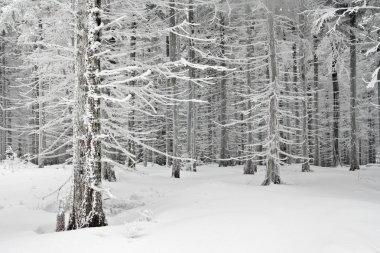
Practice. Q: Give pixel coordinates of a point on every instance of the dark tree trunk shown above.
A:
(371, 131)
(316, 106)
(336, 114)
(354, 150)
(224, 162)
(173, 55)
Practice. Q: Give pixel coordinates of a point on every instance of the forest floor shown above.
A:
(212, 210)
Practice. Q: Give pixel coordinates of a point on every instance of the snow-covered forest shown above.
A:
(190, 126)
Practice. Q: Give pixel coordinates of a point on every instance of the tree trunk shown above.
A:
(305, 134)
(191, 106)
(86, 203)
(132, 159)
(317, 155)
(250, 167)
(223, 96)
(41, 116)
(336, 113)
(296, 105)
(173, 56)
(272, 173)
(77, 189)
(3, 95)
(354, 150)
(371, 133)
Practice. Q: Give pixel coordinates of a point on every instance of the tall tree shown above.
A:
(354, 165)
(86, 206)
(173, 82)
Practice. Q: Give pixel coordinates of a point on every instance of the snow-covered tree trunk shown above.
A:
(295, 108)
(191, 106)
(41, 115)
(93, 198)
(40, 125)
(131, 161)
(272, 173)
(2, 101)
(173, 56)
(316, 104)
(288, 105)
(86, 206)
(223, 97)
(250, 167)
(77, 190)
(371, 130)
(305, 135)
(336, 109)
(354, 150)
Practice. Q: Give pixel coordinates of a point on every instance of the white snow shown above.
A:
(212, 210)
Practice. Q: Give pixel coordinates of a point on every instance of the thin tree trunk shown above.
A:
(354, 150)
(317, 161)
(250, 167)
(371, 133)
(3, 103)
(305, 134)
(41, 117)
(173, 56)
(296, 106)
(131, 161)
(272, 173)
(191, 106)
(336, 113)
(223, 96)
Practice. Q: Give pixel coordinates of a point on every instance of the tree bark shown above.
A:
(354, 150)
(41, 116)
(250, 167)
(305, 135)
(131, 160)
(272, 172)
(371, 133)
(317, 155)
(191, 106)
(336, 110)
(223, 96)
(86, 206)
(173, 56)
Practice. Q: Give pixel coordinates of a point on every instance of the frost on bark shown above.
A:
(272, 172)
(131, 147)
(354, 150)
(191, 110)
(305, 135)
(86, 203)
(41, 114)
(224, 162)
(3, 101)
(371, 132)
(60, 223)
(176, 167)
(249, 167)
(316, 104)
(336, 114)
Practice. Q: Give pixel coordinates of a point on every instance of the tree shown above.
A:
(86, 206)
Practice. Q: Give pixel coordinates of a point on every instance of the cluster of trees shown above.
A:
(103, 83)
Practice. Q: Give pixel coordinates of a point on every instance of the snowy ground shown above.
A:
(213, 210)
